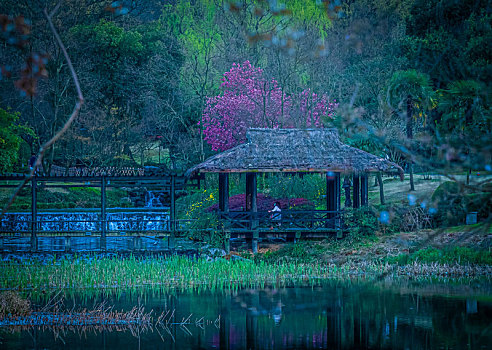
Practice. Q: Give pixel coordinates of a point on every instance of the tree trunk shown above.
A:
(412, 186)
(468, 121)
(409, 130)
(379, 179)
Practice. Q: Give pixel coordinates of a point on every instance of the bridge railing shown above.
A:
(312, 220)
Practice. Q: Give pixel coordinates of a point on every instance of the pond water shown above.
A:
(329, 316)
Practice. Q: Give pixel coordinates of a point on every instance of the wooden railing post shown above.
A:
(356, 188)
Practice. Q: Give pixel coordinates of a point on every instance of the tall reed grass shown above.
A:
(169, 272)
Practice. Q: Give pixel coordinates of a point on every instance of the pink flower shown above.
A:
(249, 100)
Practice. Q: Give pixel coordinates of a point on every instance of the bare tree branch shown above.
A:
(75, 112)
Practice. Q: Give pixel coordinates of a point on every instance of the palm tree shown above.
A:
(413, 90)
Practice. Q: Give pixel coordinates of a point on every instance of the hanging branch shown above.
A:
(75, 112)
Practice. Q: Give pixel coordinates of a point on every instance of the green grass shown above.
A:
(171, 272)
(396, 191)
(454, 255)
(109, 276)
(481, 227)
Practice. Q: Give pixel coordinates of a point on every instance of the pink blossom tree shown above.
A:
(248, 100)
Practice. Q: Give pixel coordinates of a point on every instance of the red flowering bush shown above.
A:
(265, 203)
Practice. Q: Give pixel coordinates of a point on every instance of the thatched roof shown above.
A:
(295, 150)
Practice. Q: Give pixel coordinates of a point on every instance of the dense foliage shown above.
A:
(410, 79)
(10, 139)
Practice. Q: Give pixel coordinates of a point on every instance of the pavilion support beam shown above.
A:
(356, 189)
(224, 208)
(364, 189)
(332, 196)
(251, 192)
(252, 207)
(224, 192)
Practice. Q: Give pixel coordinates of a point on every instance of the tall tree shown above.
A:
(412, 90)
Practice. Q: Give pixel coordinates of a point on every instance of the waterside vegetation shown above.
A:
(293, 265)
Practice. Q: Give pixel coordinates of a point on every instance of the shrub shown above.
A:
(200, 223)
(305, 252)
(11, 304)
(479, 202)
(444, 190)
(454, 203)
(361, 221)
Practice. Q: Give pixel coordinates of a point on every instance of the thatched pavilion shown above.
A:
(295, 151)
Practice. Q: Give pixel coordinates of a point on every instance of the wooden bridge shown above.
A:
(267, 151)
(100, 222)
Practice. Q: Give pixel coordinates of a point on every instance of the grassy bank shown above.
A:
(175, 271)
(188, 273)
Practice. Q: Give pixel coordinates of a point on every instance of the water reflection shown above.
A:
(332, 316)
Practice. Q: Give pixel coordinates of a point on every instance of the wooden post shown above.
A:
(223, 192)
(254, 242)
(252, 207)
(172, 214)
(103, 213)
(356, 195)
(224, 208)
(364, 189)
(332, 193)
(250, 191)
(227, 242)
(34, 214)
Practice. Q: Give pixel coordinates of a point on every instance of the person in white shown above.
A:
(276, 213)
